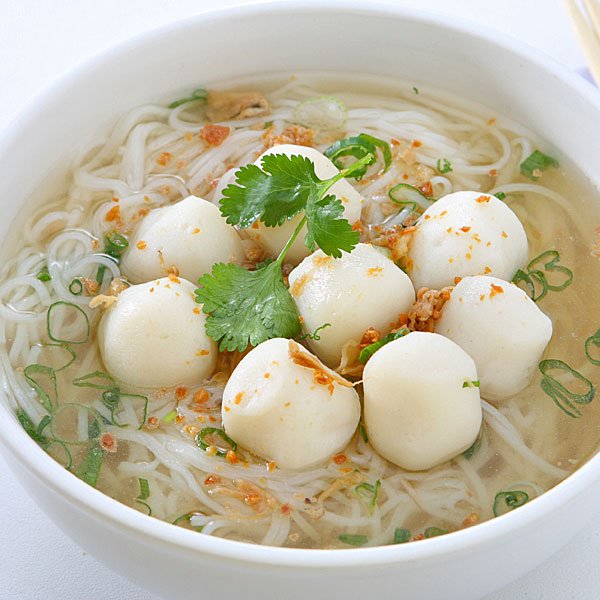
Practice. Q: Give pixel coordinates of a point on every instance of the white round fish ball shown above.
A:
(284, 405)
(466, 233)
(191, 235)
(361, 289)
(418, 411)
(273, 239)
(504, 331)
(154, 336)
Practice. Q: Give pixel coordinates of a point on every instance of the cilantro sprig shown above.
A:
(248, 307)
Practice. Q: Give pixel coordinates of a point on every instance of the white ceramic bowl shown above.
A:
(506, 76)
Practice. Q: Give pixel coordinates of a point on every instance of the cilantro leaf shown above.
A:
(535, 163)
(273, 194)
(247, 307)
(327, 228)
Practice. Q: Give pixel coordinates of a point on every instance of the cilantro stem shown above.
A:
(292, 239)
(323, 188)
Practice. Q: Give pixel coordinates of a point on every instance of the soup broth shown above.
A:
(139, 445)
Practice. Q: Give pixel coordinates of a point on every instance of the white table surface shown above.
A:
(41, 39)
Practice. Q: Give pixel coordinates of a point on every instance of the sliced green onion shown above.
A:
(111, 399)
(144, 494)
(471, 383)
(187, 517)
(431, 532)
(474, 447)
(535, 163)
(593, 340)
(401, 536)
(443, 165)
(530, 284)
(89, 469)
(76, 313)
(500, 195)
(46, 420)
(409, 196)
(98, 380)
(64, 414)
(353, 539)
(506, 501)
(68, 463)
(76, 287)
(30, 429)
(369, 491)
(359, 147)
(549, 259)
(416, 90)
(201, 440)
(368, 351)
(144, 489)
(115, 244)
(561, 396)
(68, 350)
(100, 274)
(44, 274)
(33, 374)
(363, 433)
(315, 335)
(534, 275)
(198, 94)
(143, 417)
(170, 417)
(94, 430)
(325, 113)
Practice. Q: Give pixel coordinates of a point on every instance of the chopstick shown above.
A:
(585, 16)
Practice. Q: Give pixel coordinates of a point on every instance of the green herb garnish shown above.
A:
(363, 433)
(561, 396)
(353, 539)
(315, 335)
(43, 380)
(202, 443)
(44, 274)
(115, 244)
(535, 163)
(31, 430)
(76, 287)
(506, 501)
(187, 517)
(89, 469)
(369, 492)
(170, 417)
(431, 532)
(409, 196)
(144, 494)
(73, 313)
(444, 165)
(198, 94)
(593, 340)
(471, 383)
(401, 536)
(549, 263)
(474, 447)
(500, 195)
(360, 147)
(248, 307)
(368, 351)
(416, 90)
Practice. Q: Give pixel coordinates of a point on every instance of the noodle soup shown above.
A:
(163, 449)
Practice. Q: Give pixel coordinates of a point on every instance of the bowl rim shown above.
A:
(26, 453)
